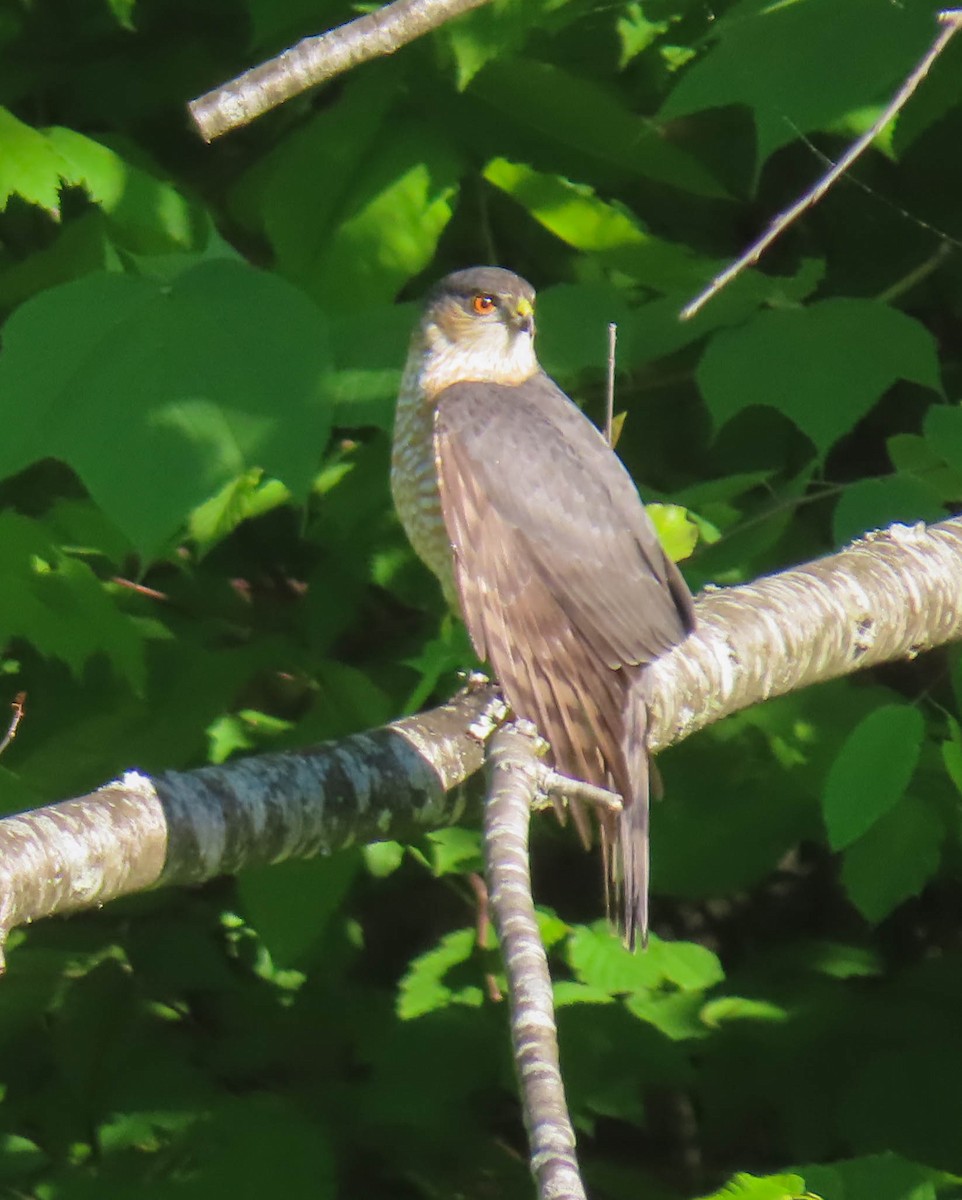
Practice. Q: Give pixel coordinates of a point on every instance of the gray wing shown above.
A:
(535, 501)
(565, 590)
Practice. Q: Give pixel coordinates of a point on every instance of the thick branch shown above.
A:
(316, 59)
(891, 595)
(187, 827)
(514, 773)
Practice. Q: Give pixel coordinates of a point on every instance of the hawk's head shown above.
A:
(478, 324)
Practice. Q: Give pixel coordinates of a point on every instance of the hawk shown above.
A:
(517, 503)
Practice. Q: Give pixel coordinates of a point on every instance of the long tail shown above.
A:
(633, 821)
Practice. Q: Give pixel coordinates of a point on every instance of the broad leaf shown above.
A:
(192, 384)
(823, 366)
(871, 772)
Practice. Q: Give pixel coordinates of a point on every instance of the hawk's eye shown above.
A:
(483, 305)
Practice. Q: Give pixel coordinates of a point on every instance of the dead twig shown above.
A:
(17, 706)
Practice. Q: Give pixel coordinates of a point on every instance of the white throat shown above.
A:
(497, 355)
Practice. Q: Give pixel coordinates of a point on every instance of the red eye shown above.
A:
(483, 305)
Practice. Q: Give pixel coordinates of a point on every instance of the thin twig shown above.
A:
(317, 59)
(950, 21)
(513, 777)
(914, 277)
(17, 706)
(553, 784)
(610, 387)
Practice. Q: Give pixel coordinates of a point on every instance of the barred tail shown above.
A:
(633, 821)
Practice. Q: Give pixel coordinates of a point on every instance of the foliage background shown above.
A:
(198, 558)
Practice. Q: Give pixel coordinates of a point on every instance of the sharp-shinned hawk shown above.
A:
(520, 507)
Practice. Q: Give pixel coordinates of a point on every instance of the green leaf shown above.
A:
(918, 458)
(766, 56)
(81, 247)
(19, 1156)
(793, 360)
(655, 329)
(636, 32)
(877, 503)
(871, 772)
(599, 960)
(147, 214)
(905, 1097)
(422, 990)
(677, 532)
(123, 11)
(761, 1187)
(369, 349)
(196, 382)
(576, 215)
(382, 858)
(29, 165)
(247, 496)
(455, 850)
(291, 903)
(837, 960)
(487, 33)
(876, 1177)
(952, 754)
(943, 432)
(567, 991)
(577, 112)
(677, 1015)
(740, 1008)
(573, 321)
(396, 211)
(894, 860)
(60, 606)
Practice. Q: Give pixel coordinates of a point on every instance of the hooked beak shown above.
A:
(524, 316)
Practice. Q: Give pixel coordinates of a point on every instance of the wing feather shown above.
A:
(563, 585)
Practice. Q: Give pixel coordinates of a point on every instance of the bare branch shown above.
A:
(317, 59)
(610, 385)
(950, 21)
(514, 773)
(889, 596)
(17, 707)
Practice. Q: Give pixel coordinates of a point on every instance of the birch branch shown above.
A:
(186, 827)
(514, 779)
(317, 59)
(891, 595)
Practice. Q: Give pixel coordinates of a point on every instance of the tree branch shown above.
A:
(890, 595)
(514, 775)
(142, 831)
(317, 59)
